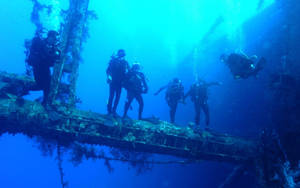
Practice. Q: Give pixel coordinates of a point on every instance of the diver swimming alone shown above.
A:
(242, 66)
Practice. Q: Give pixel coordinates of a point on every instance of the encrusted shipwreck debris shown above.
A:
(67, 125)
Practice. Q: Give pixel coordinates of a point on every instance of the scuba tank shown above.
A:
(199, 92)
(29, 56)
(40, 52)
(28, 47)
(135, 82)
(175, 90)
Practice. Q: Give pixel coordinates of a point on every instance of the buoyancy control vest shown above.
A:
(175, 91)
(135, 82)
(199, 92)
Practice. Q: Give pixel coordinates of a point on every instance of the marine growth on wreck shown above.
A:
(245, 129)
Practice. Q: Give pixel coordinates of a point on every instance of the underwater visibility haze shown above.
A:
(163, 40)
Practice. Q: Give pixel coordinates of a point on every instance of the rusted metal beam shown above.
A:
(67, 124)
(71, 43)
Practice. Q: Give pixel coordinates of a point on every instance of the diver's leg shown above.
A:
(206, 112)
(118, 91)
(140, 100)
(197, 111)
(42, 78)
(111, 97)
(259, 66)
(130, 98)
(173, 108)
(46, 86)
(46, 92)
(35, 87)
(38, 77)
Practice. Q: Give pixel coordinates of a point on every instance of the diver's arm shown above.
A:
(108, 70)
(36, 45)
(243, 54)
(182, 93)
(162, 88)
(182, 97)
(145, 84)
(214, 84)
(49, 54)
(187, 94)
(55, 56)
(108, 73)
(127, 67)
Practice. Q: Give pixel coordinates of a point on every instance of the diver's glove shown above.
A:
(109, 79)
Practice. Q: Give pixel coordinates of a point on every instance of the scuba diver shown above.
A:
(174, 94)
(135, 85)
(199, 96)
(43, 54)
(116, 73)
(242, 66)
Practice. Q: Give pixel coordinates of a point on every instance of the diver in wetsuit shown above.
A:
(242, 66)
(174, 94)
(116, 72)
(199, 96)
(43, 54)
(135, 85)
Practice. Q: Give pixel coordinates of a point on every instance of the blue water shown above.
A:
(169, 38)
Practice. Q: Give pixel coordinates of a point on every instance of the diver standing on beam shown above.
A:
(42, 55)
(199, 96)
(116, 73)
(174, 95)
(135, 85)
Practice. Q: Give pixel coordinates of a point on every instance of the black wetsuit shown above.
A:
(175, 93)
(41, 58)
(135, 85)
(243, 67)
(199, 96)
(117, 70)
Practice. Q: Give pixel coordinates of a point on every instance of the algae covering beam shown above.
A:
(71, 43)
(70, 125)
(19, 85)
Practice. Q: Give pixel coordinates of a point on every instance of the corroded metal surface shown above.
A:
(69, 125)
(71, 44)
(19, 85)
